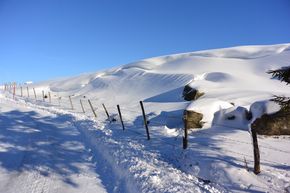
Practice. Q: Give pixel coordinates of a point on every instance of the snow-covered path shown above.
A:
(55, 150)
(40, 152)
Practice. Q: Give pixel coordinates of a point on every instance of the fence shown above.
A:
(110, 114)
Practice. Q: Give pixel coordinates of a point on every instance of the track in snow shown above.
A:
(41, 152)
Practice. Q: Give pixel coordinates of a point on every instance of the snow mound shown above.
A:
(264, 107)
(208, 107)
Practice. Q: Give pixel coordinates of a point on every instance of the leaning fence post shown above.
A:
(106, 111)
(257, 169)
(185, 138)
(120, 115)
(82, 106)
(34, 93)
(71, 104)
(145, 120)
(92, 107)
(21, 92)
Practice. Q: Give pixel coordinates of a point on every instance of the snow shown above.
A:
(41, 152)
(86, 154)
(264, 107)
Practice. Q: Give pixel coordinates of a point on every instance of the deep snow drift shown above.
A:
(231, 78)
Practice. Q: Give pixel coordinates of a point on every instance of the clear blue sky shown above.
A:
(45, 39)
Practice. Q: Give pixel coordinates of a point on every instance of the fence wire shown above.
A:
(56, 98)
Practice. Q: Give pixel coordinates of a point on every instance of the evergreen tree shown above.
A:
(282, 74)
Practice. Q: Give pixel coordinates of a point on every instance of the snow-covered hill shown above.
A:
(217, 153)
(226, 76)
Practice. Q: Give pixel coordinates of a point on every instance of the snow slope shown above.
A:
(215, 160)
(231, 75)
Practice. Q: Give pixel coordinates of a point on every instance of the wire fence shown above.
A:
(76, 103)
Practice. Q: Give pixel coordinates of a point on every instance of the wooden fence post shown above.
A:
(71, 104)
(145, 121)
(185, 137)
(49, 97)
(82, 106)
(120, 115)
(92, 108)
(14, 91)
(34, 93)
(106, 111)
(27, 92)
(257, 169)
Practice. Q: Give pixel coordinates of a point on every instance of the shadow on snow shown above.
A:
(33, 142)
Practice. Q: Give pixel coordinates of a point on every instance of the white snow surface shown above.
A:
(50, 147)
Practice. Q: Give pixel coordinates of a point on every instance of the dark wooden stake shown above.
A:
(82, 106)
(106, 111)
(92, 108)
(27, 91)
(145, 120)
(120, 115)
(185, 138)
(257, 169)
(71, 104)
(21, 92)
(34, 93)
